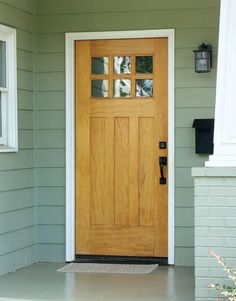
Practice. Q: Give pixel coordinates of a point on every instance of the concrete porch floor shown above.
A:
(42, 282)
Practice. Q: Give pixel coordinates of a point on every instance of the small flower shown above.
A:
(227, 291)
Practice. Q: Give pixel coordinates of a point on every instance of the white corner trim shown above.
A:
(225, 109)
(70, 128)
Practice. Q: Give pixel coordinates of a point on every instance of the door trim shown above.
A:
(70, 127)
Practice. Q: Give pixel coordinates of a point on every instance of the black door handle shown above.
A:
(162, 163)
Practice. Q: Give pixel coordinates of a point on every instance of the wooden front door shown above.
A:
(121, 118)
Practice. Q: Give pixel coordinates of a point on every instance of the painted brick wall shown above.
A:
(215, 226)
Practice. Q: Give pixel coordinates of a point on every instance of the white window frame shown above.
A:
(9, 139)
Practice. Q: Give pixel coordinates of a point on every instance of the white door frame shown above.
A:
(70, 127)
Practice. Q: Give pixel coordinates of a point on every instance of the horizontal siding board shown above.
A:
(55, 7)
(25, 40)
(184, 236)
(188, 78)
(184, 197)
(50, 177)
(195, 97)
(183, 177)
(186, 157)
(51, 157)
(193, 37)
(17, 199)
(184, 256)
(184, 58)
(184, 137)
(51, 196)
(16, 17)
(25, 100)
(51, 62)
(25, 80)
(130, 20)
(15, 220)
(53, 81)
(51, 215)
(51, 100)
(27, 5)
(25, 60)
(153, 19)
(184, 117)
(51, 234)
(19, 160)
(184, 217)
(16, 179)
(51, 120)
(51, 43)
(16, 240)
(26, 120)
(26, 139)
(18, 259)
(50, 139)
(52, 252)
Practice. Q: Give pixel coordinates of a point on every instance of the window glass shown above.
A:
(144, 87)
(100, 65)
(122, 65)
(122, 88)
(144, 64)
(2, 64)
(100, 88)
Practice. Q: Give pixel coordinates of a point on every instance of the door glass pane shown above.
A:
(100, 88)
(121, 88)
(122, 65)
(144, 87)
(144, 64)
(2, 64)
(100, 65)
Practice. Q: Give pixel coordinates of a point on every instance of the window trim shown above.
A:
(9, 94)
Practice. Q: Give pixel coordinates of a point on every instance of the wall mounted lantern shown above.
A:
(203, 58)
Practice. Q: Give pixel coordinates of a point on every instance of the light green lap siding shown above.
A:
(194, 22)
(17, 170)
(80, 6)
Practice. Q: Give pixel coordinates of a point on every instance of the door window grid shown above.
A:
(122, 77)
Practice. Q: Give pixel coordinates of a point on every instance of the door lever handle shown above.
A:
(162, 163)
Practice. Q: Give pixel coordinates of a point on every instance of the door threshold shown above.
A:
(163, 261)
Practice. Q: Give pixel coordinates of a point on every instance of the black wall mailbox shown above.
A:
(204, 131)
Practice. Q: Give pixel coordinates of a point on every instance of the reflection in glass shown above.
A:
(2, 64)
(121, 88)
(144, 87)
(122, 65)
(100, 88)
(100, 65)
(144, 64)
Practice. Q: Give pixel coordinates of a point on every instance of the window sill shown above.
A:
(6, 149)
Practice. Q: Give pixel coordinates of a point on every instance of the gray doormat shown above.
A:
(108, 268)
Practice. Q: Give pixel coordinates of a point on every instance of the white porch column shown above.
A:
(225, 113)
